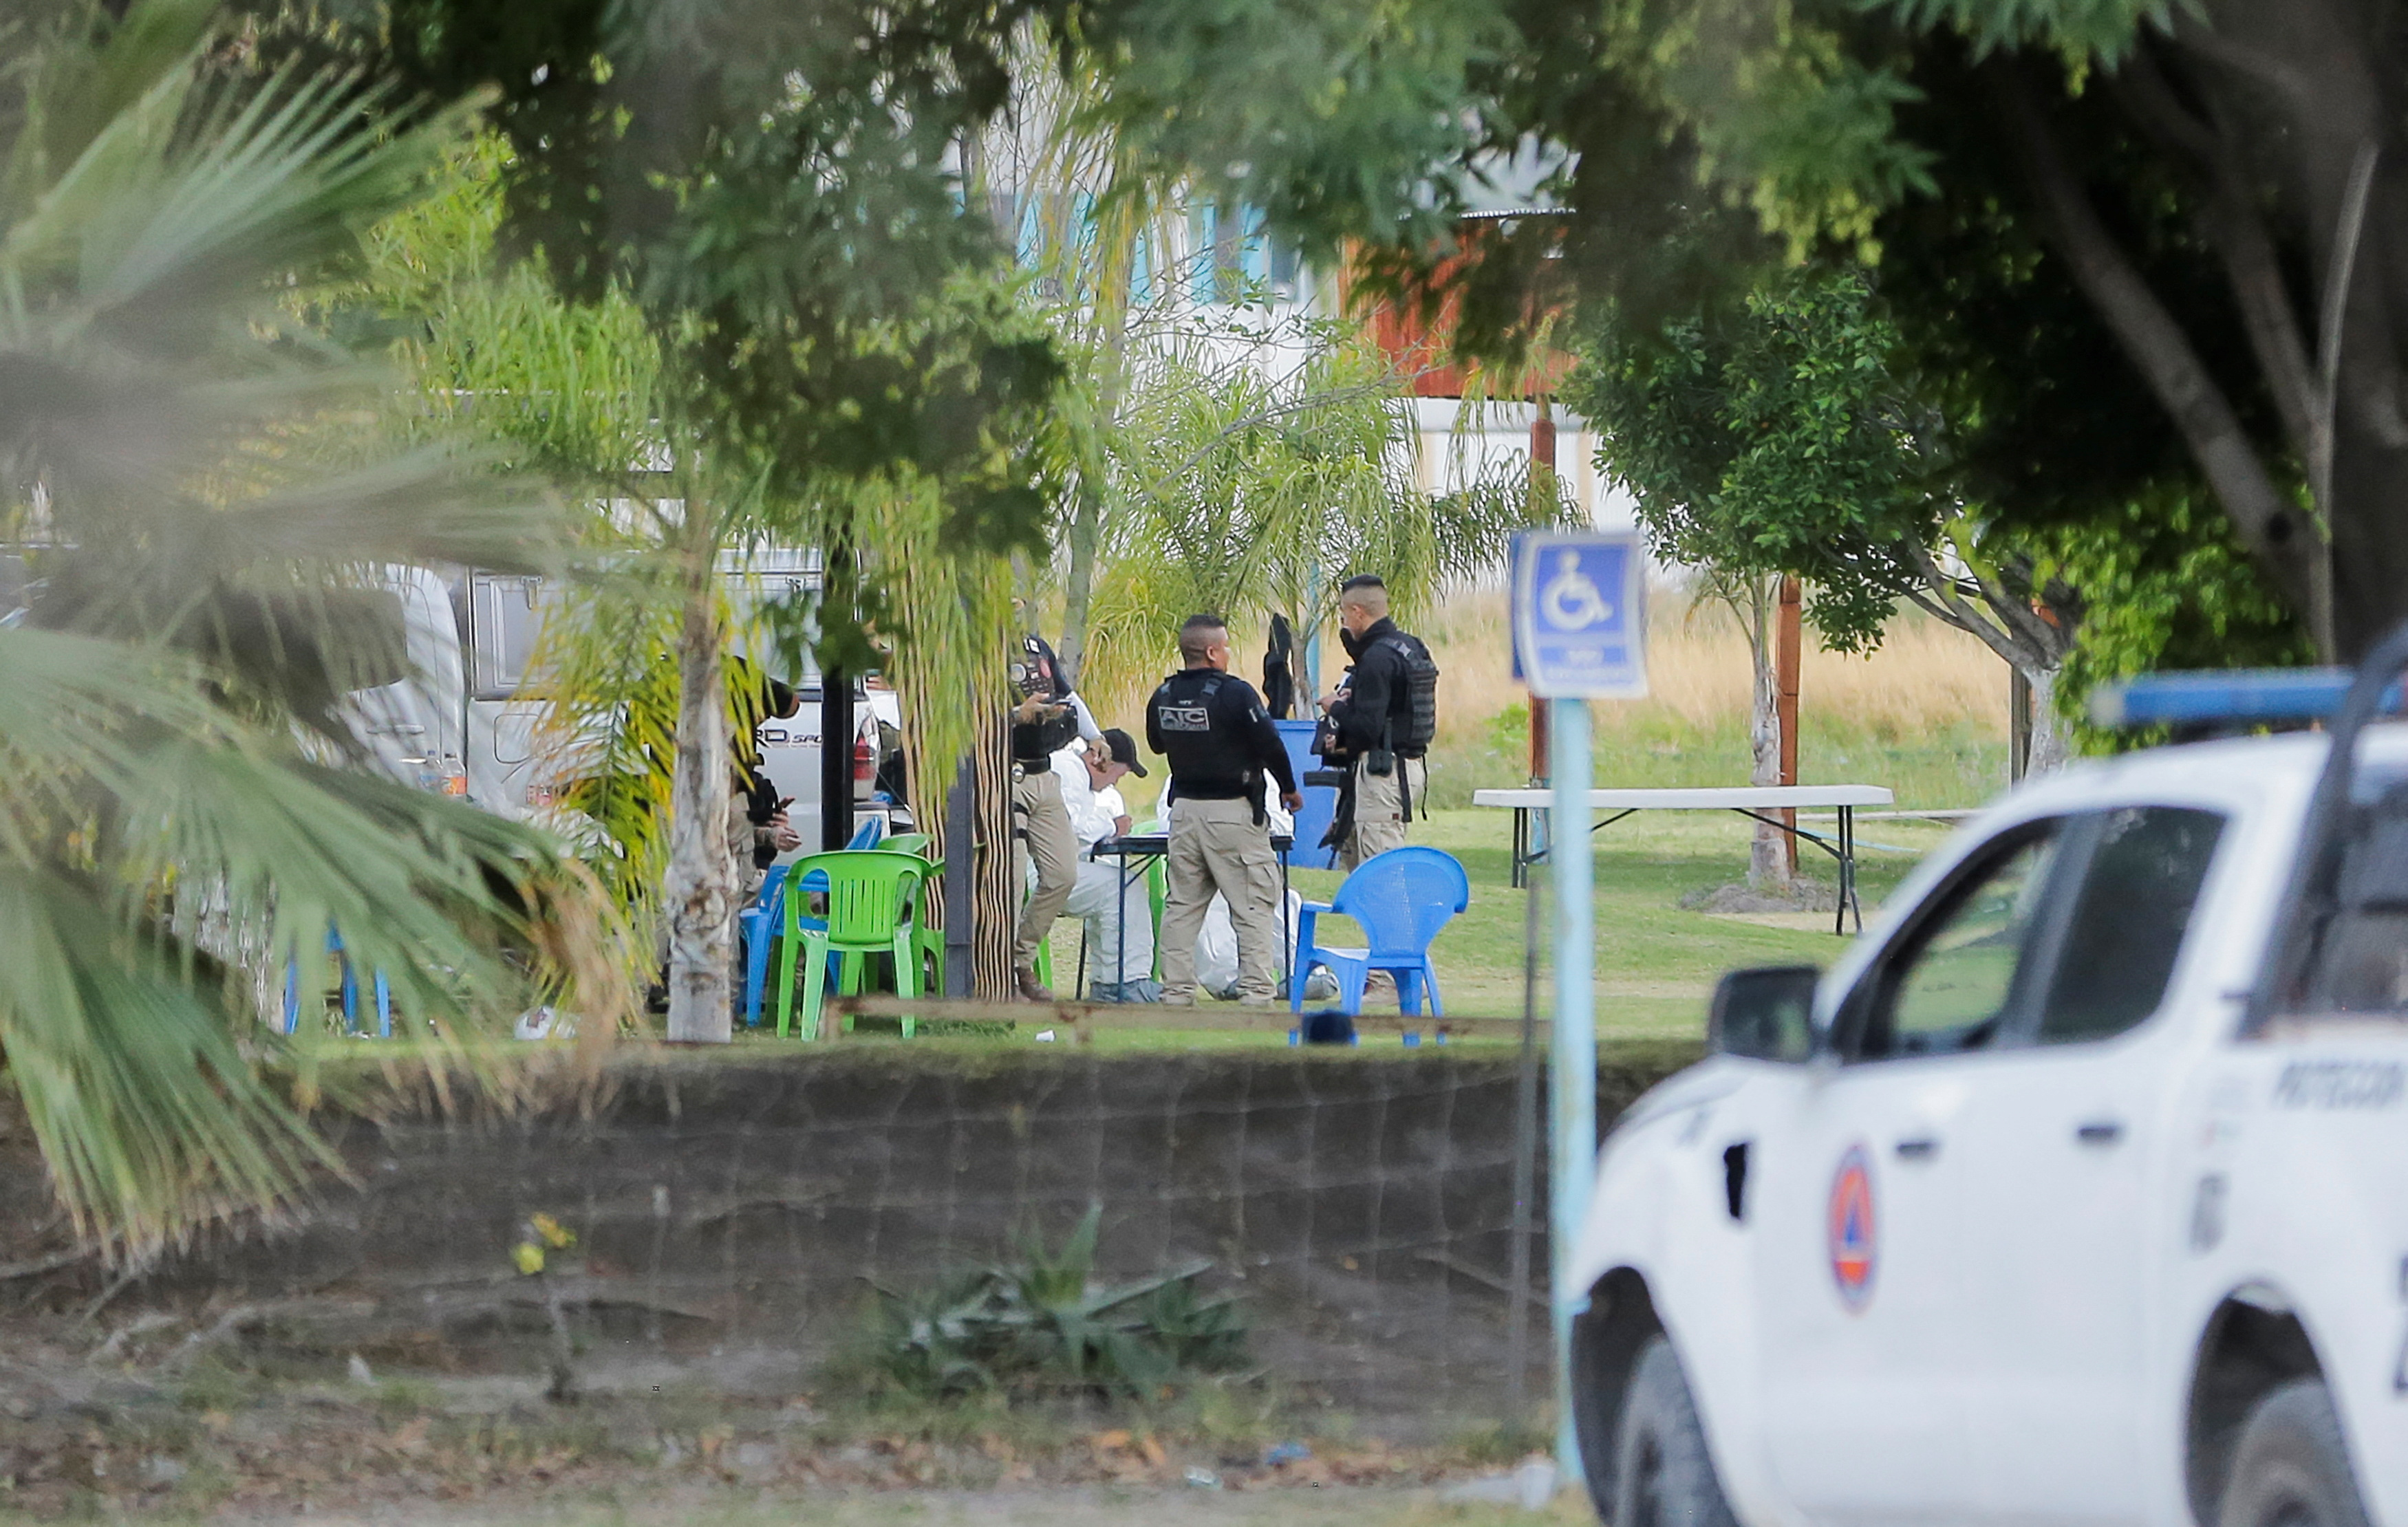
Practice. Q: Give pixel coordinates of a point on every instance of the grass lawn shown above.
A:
(1656, 962)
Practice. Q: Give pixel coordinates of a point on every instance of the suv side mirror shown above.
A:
(1765, 1014)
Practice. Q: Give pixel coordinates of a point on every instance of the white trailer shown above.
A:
(467, 722)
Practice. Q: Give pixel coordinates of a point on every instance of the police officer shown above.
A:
(1046, 717)
(1222, 745)
(1373, 717)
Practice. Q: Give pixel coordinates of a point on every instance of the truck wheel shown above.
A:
(1662, 1474)
(2291, 1469)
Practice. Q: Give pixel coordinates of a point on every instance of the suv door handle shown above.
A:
(1921, 1148)
(2103, 1132)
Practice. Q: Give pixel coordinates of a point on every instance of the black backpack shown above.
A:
(1413, 726)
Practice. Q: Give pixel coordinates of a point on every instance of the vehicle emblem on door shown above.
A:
(1851, 1228)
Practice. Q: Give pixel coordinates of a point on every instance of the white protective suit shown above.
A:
(1093, 816)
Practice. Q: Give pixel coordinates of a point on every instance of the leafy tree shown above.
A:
(770, 191)
(1773, 438)
(1252, 493)
(2165, 587)
(182, 810)
(2155, 244)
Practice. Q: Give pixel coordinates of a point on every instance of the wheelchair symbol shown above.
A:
(1572, 600)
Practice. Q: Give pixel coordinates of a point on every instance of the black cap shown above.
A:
(1124, 749)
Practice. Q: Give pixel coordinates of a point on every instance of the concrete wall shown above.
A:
(733, 1209)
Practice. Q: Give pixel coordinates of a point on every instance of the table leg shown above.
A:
(1847, 873)
(1521, 846)
(1119, 922)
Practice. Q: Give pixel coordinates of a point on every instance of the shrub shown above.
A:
(1043, 1326)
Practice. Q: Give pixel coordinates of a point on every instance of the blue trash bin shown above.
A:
(1319, 801)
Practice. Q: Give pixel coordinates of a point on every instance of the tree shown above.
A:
(772, 191)
(1251, 493)
(183, 813)
(2187, 213)
(1776, 440)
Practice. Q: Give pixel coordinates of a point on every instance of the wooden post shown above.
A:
(1542, 470)
(1786, 655)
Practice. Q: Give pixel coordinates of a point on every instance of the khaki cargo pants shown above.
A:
(1380, 810)
(1218, 846)
(1043, 836)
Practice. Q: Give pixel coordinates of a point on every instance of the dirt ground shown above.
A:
(1086, 1506)
(140, 1423)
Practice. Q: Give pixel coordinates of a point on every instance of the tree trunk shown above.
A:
(1768, 862)
(1785, 645)
(1078, 583)
(699, 890)
(2050, 744)
(1087, 516)
(996, 894)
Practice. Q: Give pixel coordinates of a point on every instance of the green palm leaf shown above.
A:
(180, 824)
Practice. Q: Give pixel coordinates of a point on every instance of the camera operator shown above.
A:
(1049, 715)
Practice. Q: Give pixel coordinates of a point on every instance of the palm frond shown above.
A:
(206, 515)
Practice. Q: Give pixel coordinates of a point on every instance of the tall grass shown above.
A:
(1924, 714)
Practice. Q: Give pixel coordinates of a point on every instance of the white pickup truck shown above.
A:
(2075, 1192)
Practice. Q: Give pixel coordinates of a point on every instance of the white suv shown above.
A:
(2076, 1192)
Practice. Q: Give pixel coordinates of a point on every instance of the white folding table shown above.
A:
(1751, 801)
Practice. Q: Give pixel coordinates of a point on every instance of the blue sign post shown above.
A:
(1580, 634)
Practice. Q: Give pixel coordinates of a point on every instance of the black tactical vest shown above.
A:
(1210, 758)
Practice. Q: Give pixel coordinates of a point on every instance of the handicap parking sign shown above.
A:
(1579, 615)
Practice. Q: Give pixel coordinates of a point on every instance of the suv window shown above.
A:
(1951, 986)
(2146, 865)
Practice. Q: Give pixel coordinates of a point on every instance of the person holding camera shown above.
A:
(1049, 715)
(1222, 750)
(1382, 718)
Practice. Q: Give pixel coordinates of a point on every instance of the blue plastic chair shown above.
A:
(815, 883)
(350, 993)
(758, 924)
(1401, 899)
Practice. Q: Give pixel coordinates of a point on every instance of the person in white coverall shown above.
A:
(1090, 773)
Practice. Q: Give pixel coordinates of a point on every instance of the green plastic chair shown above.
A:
(872, 909)
(932, 939)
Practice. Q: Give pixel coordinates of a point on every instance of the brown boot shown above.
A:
(1030, 991)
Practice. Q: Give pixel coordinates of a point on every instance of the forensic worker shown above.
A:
(1383, 714)
(1112, 905)
(1048, 717)
(1222, 745)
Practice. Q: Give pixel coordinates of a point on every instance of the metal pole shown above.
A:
(1574, 1071)
(1525, 1153)
(836, 760)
